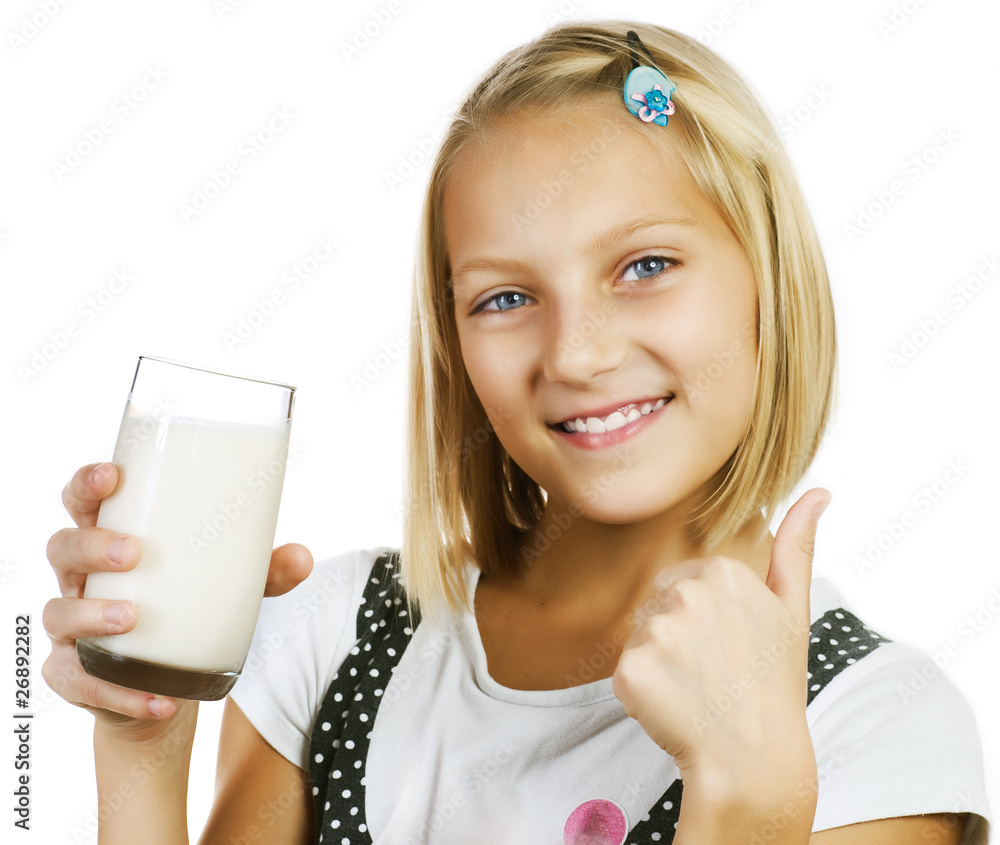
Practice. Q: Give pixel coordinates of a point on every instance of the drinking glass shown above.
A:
(201, 461)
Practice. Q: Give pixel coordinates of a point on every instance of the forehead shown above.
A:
(541, 175)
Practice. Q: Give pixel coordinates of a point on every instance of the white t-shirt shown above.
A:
(455, 757)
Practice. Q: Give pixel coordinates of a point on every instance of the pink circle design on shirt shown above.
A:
(596, 822)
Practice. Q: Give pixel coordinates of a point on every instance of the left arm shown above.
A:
(937, 829)
(717, 679)
(740, 737)
(786, 821)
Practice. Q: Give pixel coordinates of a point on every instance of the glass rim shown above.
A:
(225, 373)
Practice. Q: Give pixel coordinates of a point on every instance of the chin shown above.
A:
(611, 505)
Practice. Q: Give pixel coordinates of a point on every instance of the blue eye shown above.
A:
(513, 298)
(646, 268)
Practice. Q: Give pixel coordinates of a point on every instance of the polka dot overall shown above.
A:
(343, 729)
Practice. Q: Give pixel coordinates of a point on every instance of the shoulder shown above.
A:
(893, 735)
(301, 639)
(323, 602)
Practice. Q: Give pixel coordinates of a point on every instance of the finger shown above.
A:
(71, 619)
(73, 552)
(64, 674)
(290, 566)
(663, 599)
(690, 568)
(790, 572)
(82, 495)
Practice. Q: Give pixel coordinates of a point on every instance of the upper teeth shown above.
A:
(596, 425)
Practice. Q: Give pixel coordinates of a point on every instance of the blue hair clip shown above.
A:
(647, 89)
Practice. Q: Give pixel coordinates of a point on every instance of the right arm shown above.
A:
(142, 742)
(259, 795)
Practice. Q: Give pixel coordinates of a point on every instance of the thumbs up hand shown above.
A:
(717, 675)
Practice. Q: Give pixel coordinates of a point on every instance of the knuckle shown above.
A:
(661, 628)
(719, 566)
(725, 571)
(92, 692)
(51, 607)
(48, 674)
(682, 592)
(76, 488)
(55, 543)
(67, 495)
(625, 671)
(55, 674)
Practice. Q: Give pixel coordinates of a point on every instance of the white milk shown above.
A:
(202, 498)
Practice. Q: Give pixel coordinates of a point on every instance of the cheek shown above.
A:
(713, 343)
(491, 377)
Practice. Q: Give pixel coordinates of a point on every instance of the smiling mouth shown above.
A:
(613, 421)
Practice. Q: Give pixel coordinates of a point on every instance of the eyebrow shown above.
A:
(601, 243)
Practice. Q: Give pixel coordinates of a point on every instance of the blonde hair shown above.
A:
(467, 500)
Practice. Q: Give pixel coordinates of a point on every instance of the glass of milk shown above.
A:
(201, 459)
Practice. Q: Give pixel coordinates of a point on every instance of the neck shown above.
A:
(572, 560)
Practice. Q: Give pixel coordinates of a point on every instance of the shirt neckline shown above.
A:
(577, 696)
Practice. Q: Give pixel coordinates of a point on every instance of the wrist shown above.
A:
(142, 776)
(751, 799)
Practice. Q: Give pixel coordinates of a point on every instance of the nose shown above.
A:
(582, 341)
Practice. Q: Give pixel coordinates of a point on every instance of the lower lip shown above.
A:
(585, 440)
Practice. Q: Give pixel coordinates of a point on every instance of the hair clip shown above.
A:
(647, 89)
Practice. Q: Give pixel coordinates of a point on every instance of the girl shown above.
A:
(622, 363)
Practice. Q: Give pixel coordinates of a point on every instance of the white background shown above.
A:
(886, 96)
